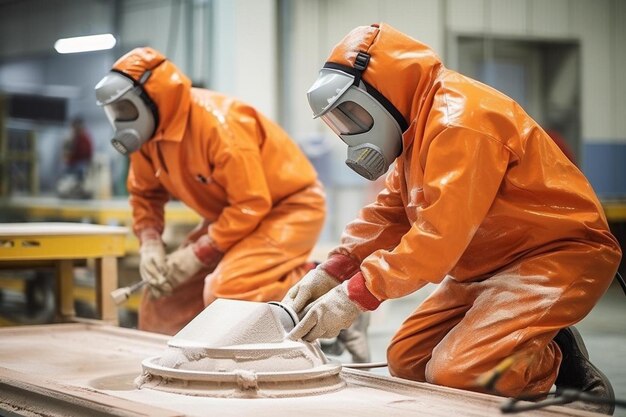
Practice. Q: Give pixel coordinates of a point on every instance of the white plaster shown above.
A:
(238, 349)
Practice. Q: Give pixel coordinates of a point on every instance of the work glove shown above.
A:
(186, 262)
(196, 233)
(327, 316)
(353, 339)
(319, 281)
(152, 266)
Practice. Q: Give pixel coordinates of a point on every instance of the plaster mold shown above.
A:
(238, 349)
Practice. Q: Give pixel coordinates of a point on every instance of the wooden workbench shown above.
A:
(88, 370)
(29, 245)
(615, 210)
(115, 211)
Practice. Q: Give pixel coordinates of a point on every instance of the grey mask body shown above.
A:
(129, 132)
(374, 141)
(367, 160)
(126, 141)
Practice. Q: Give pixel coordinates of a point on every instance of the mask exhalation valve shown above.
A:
(366, 160)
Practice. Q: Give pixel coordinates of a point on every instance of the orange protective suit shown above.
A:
(241, 172)
(482, 197)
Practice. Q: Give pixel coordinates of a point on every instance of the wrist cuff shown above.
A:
(205, 251)
(341, 267)
(148, 234)
(358, 292)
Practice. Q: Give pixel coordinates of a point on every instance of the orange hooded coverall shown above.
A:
(256, 190)
(484, 203)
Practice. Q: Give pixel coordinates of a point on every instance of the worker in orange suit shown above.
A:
(480, 201)
(261, 203)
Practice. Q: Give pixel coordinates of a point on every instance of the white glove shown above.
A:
(181, 265)
(195, 234)
(327, 316)
(152, 267)
(312, 286)
(354, 338)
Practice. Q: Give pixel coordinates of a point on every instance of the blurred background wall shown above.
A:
(563, 60)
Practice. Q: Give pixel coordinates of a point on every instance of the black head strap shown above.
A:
(360, 64)
(370, 89)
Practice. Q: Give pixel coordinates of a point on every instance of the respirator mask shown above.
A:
(372, 133)
(128, 108)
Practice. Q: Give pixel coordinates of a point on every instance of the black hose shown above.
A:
(560, 398)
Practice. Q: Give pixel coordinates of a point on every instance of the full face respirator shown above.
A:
(367, 125)
(128, 108)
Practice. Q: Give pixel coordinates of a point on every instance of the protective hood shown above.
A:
(400, 68)
(167, 87)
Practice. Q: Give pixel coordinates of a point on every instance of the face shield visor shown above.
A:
(129, 111)
(373, 135)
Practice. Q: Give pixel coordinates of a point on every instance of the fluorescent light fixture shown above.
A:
(85, 43)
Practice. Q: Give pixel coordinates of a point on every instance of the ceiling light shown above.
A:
(85, 43)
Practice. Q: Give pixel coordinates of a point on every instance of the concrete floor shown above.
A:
(604, 332)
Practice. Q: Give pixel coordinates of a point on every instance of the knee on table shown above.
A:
(450, 371)
(403, 361)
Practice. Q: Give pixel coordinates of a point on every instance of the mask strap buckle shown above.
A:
(144, 77)
(360, 63)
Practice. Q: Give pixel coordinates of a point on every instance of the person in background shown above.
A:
(479, 201)
(261, 203)
(77, 153)
(78, 149)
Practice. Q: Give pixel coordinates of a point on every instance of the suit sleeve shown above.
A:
(380, 225)
(147, 195)
(462, 175)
